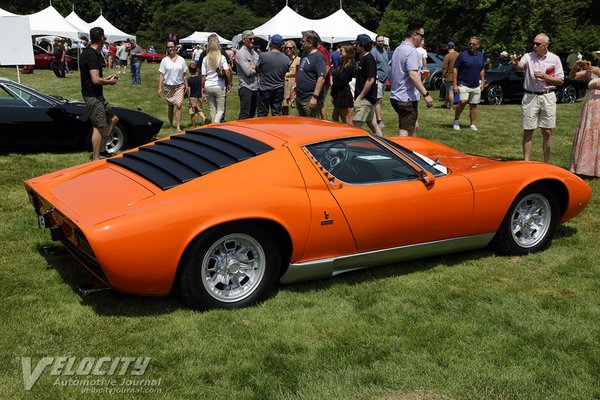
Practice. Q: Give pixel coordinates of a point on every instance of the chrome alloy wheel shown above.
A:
(233, 267)
(116, 140)
(568, 95)
(495, 95)
(531, 220)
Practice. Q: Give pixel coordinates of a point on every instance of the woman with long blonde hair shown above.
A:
(216, 80)
(341, 95)
(291, 51)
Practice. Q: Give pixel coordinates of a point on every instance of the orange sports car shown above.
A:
(223, 213)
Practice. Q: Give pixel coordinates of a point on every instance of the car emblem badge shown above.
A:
(326, 221)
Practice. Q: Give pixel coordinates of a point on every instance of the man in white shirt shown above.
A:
(543, 73)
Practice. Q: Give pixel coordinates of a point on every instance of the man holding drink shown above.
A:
(543, 73)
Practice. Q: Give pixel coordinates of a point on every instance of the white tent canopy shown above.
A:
(202, 37)
(287, 23)
(112, 33)
(340, 27)
(50, 22)
(79, 23)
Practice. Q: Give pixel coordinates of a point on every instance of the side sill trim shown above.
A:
(328, 267)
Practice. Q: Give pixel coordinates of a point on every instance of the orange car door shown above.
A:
(385, 202)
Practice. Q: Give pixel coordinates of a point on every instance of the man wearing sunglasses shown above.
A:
(405, 79)
(543, 73)
(246, 59)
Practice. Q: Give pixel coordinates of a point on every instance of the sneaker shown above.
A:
(381, 124)
(105, 154)
(474, 128)
(455, 125)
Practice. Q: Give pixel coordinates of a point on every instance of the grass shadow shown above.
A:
(113, 303)
(390, 270)
(106, 302)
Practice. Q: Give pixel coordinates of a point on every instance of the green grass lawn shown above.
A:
(468, 326)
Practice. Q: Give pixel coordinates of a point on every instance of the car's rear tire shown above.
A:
(230, 266)
(530, 222)
(494, 95)
(118, 139)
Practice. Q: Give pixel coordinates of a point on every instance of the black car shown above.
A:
(503, 83)
(32, 120)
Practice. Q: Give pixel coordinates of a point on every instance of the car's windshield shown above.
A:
(32, 97)
(501, 65)
(424, 162)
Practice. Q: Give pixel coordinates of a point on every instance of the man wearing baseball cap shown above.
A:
(365, 92)
(447, 71)
(272, 67)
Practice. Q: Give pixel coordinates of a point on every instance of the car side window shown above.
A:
(361, 160)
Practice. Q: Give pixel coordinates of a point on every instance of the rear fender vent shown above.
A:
(169, 163)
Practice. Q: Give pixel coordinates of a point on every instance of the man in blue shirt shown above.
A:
(468, 78)
(272, 67)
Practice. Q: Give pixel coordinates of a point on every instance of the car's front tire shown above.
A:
(230, 266)
(530, 222)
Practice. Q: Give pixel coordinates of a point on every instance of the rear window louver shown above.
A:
(181, 158)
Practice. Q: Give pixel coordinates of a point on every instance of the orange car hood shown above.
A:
(101, 180)
(455, 160)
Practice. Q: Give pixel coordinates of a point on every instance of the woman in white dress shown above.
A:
(172, 75)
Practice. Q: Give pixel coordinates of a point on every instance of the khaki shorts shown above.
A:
(539, 110)
(380, 89)
(100, 111)
(364, 111)
(471, 94)
(304, 110)
(195, 105)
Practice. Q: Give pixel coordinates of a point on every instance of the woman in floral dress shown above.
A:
(585, 157)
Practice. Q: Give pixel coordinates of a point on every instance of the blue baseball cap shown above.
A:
(277, 40)
(362, 39)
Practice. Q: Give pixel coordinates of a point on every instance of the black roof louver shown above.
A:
(181, 158)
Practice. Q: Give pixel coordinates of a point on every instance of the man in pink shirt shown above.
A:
(543, 73)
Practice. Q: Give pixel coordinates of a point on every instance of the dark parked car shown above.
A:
(33, 120)
(503, 83)
(434, 64)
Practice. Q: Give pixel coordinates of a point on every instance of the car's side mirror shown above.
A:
(427, 178)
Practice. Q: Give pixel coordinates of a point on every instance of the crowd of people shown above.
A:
(291, 80)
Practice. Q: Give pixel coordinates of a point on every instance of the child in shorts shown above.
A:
(195, 95)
